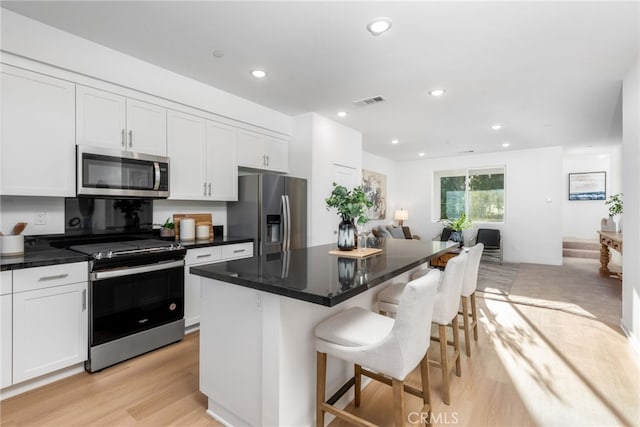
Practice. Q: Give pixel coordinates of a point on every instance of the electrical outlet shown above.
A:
(40, 218)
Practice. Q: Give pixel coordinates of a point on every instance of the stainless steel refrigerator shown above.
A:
(273, 210)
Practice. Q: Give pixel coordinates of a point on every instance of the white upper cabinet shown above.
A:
(203, 154)
(104, 119)
(186, 143)
(38, 144)
(221, 162)
(259, 151)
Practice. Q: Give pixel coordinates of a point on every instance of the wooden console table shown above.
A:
(608, 240)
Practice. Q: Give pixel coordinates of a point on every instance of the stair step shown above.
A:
(581, 244)
(581, 253)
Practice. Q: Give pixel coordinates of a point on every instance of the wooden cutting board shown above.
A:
(201, 219)
(356, 253)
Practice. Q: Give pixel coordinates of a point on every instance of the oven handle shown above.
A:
(102, 275)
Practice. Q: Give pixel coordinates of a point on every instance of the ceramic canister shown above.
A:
(202, 232)
(187, 229)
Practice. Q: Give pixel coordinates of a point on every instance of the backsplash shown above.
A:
(14, 209)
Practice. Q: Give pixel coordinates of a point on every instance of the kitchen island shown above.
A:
(257, 353)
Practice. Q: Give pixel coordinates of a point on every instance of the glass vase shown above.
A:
(346, 235)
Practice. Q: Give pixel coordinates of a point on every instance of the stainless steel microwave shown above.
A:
(113, 173)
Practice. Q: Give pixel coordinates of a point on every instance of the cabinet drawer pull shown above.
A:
(237, 251)
(203, 256)
(59, 276)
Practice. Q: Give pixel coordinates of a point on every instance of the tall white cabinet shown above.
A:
(203, 154)
(105, 119)
(38, 143)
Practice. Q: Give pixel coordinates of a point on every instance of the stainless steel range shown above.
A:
(136, 284)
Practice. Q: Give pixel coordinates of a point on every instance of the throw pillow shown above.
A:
(396, 232)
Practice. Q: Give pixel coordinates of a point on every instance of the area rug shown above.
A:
(494, 278)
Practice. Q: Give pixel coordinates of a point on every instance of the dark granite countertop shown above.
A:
(216, 241)
(40, 257)
(312, 275)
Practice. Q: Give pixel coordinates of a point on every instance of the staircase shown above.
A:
(580, 248)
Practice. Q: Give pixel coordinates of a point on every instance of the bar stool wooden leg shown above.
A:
(465, 322)
(474, 316)
(321, 384)
(426, 390)
(456, 345)
(444, 365)
(398, 402)
(357, 373)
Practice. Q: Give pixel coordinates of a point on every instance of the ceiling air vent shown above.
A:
(368, 101)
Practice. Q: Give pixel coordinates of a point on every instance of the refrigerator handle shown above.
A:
(283, 208)
(288, 223)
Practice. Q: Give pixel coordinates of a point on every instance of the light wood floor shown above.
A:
(550, 353)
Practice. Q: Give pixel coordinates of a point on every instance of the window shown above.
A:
(479, 193)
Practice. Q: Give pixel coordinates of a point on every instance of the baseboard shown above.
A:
(633, 340)
(40, 381)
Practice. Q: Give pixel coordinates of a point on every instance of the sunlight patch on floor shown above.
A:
(553, 389)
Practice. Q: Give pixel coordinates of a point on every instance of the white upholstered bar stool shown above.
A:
(445, 313)
(468, 294)
(380, 347)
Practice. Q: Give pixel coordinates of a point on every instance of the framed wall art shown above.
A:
(587, 186)
(375, 187)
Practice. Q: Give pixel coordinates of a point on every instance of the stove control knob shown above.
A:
(110, 254)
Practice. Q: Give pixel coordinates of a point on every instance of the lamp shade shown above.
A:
(401, 215)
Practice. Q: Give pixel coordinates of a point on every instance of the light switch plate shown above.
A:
(40, 218)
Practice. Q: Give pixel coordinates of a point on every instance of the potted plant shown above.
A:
(457, 225)
(615, 208)
(351, 205)
(167, 229)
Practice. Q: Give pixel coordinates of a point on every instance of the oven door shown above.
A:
(130, 300)
(105, 172)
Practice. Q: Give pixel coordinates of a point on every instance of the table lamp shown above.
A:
(400, 216)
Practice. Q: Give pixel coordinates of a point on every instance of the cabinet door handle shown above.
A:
(58, 276)
(84, 299)
(209, 189)
(124, 142)
(268, 159)
(204, 189)
(264, 160)
(130, 138)
(203, 256)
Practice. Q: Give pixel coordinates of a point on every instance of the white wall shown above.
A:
(23, 209)
(330, 145)
(631, 189)
(532, 231)
(31, 39)
(581, 218)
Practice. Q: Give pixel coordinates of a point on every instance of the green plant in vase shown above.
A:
(614, 204)
(351, 205)
(458, 225)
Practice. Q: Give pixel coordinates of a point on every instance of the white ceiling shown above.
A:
(549, 72)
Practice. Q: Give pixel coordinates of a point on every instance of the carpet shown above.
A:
(494, 278)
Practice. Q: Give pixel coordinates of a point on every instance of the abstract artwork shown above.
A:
(587, 186)
(375, 187)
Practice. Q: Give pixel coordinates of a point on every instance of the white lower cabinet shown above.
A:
(50, 319)
(201, 256)
(6, 328)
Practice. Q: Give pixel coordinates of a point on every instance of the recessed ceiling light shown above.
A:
(437, 92)
(497, 126)
(505, 144)
(379, 26)
(259, 74)
(421, 154)
(395, 141)
(342, 114)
